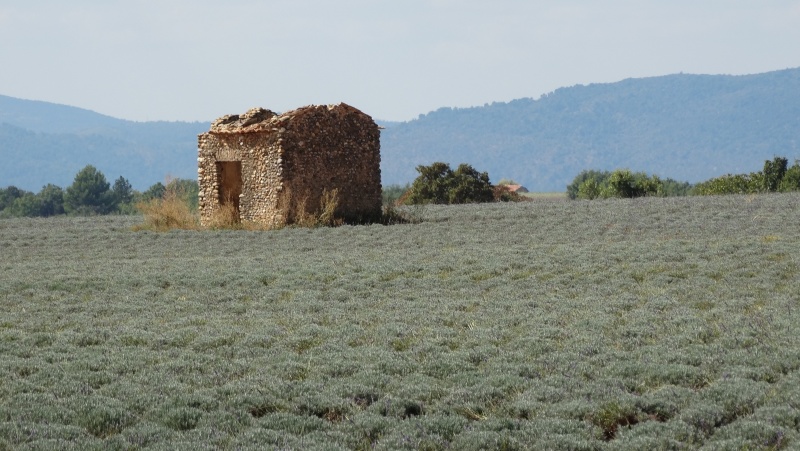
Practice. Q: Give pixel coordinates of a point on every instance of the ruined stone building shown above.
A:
(273, 168)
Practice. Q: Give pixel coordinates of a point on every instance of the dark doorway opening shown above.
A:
(230, 183)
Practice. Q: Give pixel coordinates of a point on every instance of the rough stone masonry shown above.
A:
(273, 168)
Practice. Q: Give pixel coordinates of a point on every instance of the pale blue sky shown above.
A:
(200, 59)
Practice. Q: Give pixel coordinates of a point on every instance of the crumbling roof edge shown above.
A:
(243, 131)
(260, 120)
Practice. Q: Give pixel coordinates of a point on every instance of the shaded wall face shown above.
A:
(327, 150)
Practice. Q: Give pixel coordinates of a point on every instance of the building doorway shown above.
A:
(229, 174)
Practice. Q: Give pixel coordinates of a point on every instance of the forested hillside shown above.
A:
(685, 127)
(49, 143)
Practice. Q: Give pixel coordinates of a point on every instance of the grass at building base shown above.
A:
(620, 324)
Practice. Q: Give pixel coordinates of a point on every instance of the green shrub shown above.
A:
(623, 183)
(438, 184)
(590, 189)
(775, 176)
(728, 184)
(791, 179)
(598, 179)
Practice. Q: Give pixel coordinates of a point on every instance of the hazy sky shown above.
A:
(200, 59)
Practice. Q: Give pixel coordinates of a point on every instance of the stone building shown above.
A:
(273, 168)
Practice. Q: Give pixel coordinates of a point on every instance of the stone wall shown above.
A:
(328, 148)
(289, 160)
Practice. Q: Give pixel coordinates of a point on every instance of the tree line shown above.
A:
(776, 176)
(92, 194)
(89, 194)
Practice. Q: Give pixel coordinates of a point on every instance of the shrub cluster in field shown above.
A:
(653, 323)
(439, 184)
(776, 176)
(623, 183)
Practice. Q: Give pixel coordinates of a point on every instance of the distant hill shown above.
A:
(47, 117)
(48, 143)
(686, 127)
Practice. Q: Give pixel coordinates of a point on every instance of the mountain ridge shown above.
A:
(47, 117)
(51, 142)
(683, 126)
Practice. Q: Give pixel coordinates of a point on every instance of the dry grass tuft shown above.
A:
(173, 212)
(328, 204)
(325, 216)
(225, 217)
(170, 212)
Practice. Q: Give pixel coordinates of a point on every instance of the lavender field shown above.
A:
(656, 323)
